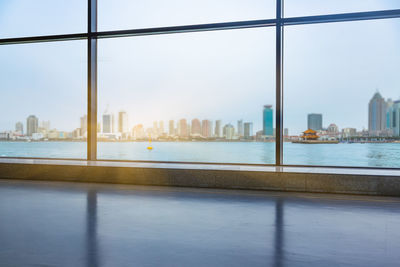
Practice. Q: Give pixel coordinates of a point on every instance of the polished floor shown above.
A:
(72, 224)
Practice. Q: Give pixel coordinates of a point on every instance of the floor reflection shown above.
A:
(91, 229)
(279, 234)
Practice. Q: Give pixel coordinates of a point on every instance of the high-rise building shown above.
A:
(108, 123)
(393, 118)
(349, 132)
(183, 128)
(123, 122)
(138, 132)
(314, 121)
(332, 129)
(32, 124)
(229, 131)
(268, 120)
(83, 125)
(19, 127)
(285, 132)
(171, 128)
(240, 129)
(217, 132)
(248, 130)
(160, 128)
(45, 125)
(377, 114)
(196, 127)
(206, 128)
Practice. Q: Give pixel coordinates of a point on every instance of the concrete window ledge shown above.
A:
(300, 179)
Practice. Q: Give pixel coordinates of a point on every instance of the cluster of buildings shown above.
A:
(37, 130)
(383, 122)
(383, 116)
(112, 128)
(332, 132)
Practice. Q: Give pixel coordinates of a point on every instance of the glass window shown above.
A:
(296, 8)
(43, 100)
(21, 18)
(342, 82)
(126, 14)
(199, 97)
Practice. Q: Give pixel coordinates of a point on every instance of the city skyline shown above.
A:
(383, 117)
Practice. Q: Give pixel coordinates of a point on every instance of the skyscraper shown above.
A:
(286, 132)
(268, 120)
(217, 131)
(393, 118)
(229, 131)
(248, 130)
(108, 123)
(314, 121)
(160, 128)
(122, 122)
(240, 128)
(32, 123)
(183, 128)
(206, 128)
(377, 114)
(196, 127)
(171, 128)
(19, 127)
(84, 125)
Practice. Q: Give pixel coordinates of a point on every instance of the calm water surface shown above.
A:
(373, 155)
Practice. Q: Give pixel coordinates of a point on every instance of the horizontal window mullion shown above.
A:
(47, 38)
(371, 15)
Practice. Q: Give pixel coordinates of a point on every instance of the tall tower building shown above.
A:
(248, 130)
(393, 118)
(229, 131)
(206, 128)
(160, 128)
(183, 128)
(196, 127)
(240, 129)
(217, 132)
(84, 125)
(123, 122)
(268, 121)
(32, 124)
(108, 123)
(19, 127)
(171, 128)
(314, 121)
(377, 114)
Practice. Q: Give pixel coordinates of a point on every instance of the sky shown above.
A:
(333, 68)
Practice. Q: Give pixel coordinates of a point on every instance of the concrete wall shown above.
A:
(227, 179)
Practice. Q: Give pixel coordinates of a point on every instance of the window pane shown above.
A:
(19, 18)
(126, 14)
(42, 97)
(342, 80)
(294, 8)
(188, 92)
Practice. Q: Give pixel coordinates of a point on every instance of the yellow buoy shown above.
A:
(149, 147)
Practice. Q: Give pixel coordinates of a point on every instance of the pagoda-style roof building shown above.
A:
(310, 134)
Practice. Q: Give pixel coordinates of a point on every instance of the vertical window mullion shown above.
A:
(279, 91)
(92, 81)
